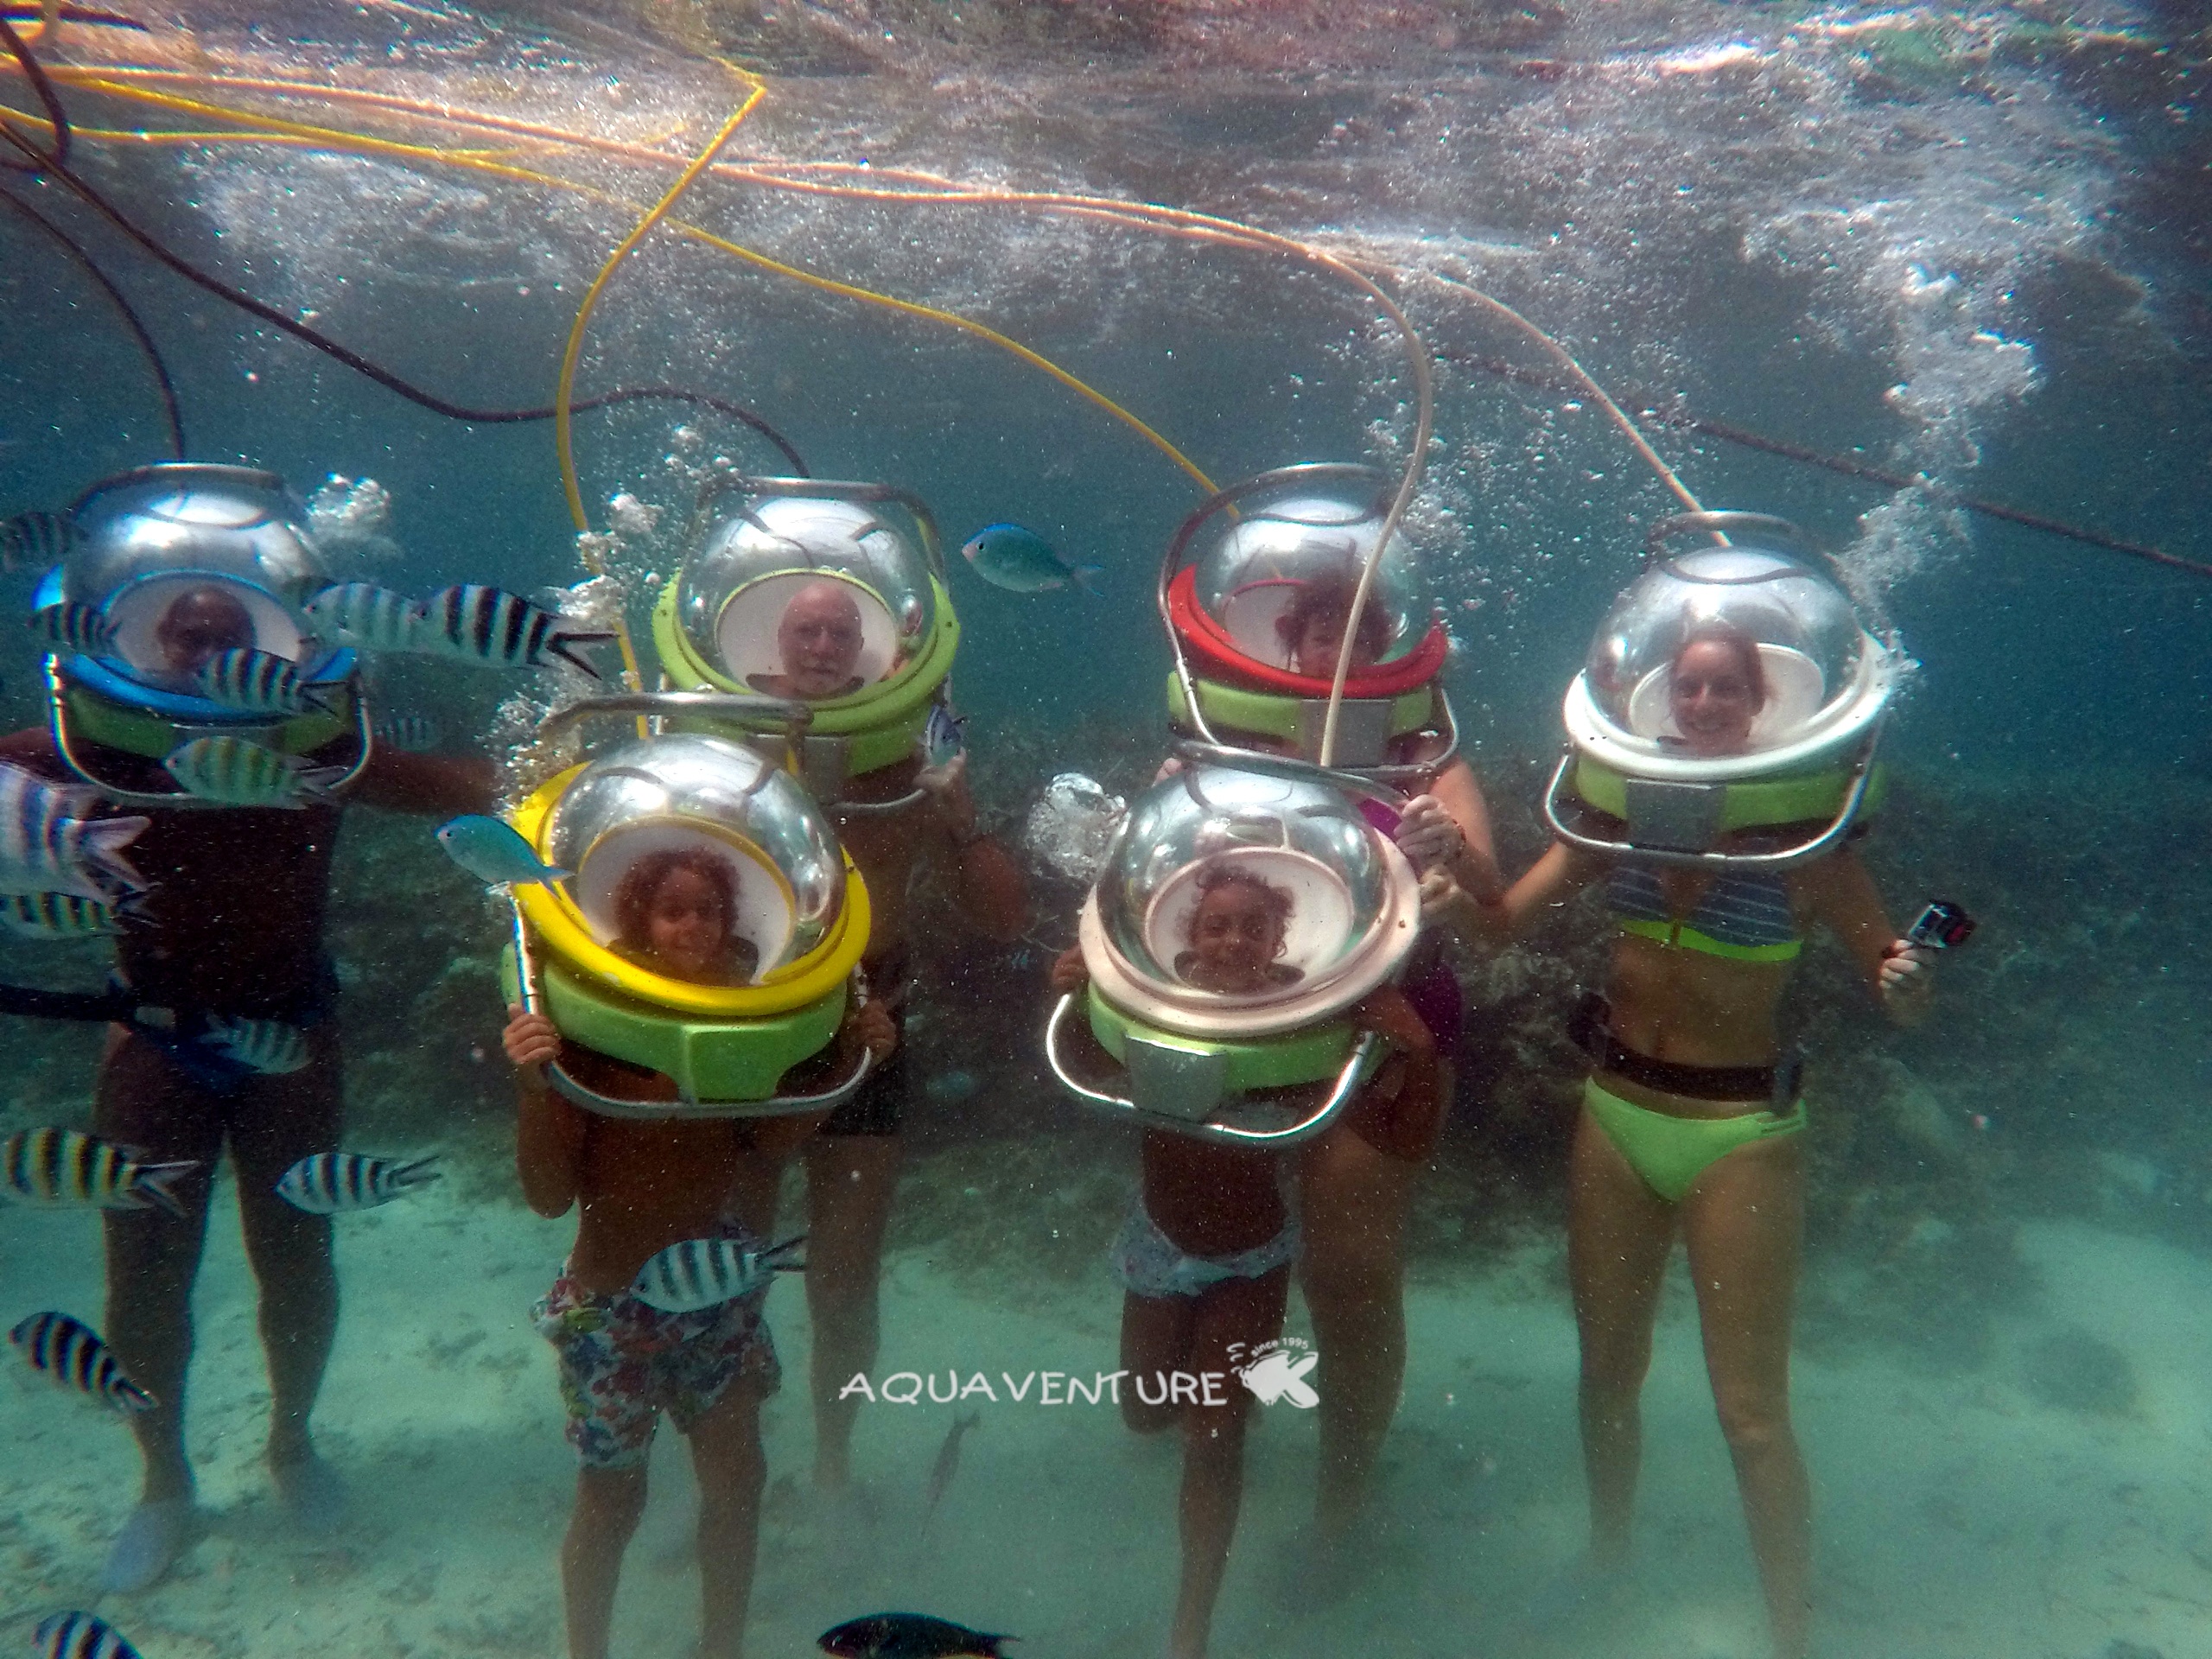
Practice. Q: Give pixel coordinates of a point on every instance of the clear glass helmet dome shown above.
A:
(807, 592)
(176, 555)
(1343, 899)
(671, 798)
(1821, 678)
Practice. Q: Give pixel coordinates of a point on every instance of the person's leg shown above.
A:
(276, 1121)
(1155, 1343)
(850, 1180)
(732, 1470)
(1354, 1202)
(1226, 1323)
(609, 1503)
(1618, 1233)
(1744, 1221)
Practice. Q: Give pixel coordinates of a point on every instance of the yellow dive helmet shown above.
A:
(771, 558)
(145, 547)
(1239, 578)
(1181, 1057)
(1629, 783)
(800, 907)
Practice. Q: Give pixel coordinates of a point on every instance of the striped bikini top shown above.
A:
(1745, 917)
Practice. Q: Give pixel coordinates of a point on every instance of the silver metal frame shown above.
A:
(829, 489)
(1349, 1079)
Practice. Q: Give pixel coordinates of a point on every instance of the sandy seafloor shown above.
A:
(1958, 1515)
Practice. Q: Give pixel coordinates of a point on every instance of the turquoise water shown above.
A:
(1970, 246)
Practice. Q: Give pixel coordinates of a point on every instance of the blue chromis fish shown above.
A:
(57, 916)
(497, 629)
(69, 1353)
(262, 683)
(67, 1167)
(702, 1272)
(410, 733)
(942, 742)
(908, 1636)
(273, 1047)
(1022, 562)
(46, 845)
(74, 626)
(363, 614)
(237, 772)
(493, 852)
(35, 540)
(78, 1635)
(333, 1183)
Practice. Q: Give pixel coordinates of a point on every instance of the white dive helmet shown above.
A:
(144, 539)
(764, 541)
(1355, 900)
(1809, 759)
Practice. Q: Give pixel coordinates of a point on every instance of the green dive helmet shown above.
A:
(1629, 783)
(818, 593)
(1268, 1066)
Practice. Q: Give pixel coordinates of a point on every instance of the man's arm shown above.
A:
(431, 785)
(989, 887)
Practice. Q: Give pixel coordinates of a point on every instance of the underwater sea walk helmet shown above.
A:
(1628, 784)
(1241, 573)
(800, 906)
(143, 540)
(767, 552)
(1273, 1066)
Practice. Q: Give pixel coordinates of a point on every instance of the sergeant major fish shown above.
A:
(236, 771)
(701, 1272)
(261, 682)
(78, 1635)
(941, 742)
(69, 1353)
(494, 852)
(361, 613)
(410, 733)
(73, 625)
(270, 1046)
(498, 629)
(333, 1183)
(47, 845)
(1022, 562)
(66, 1166)
(36, 539)
(57, 916)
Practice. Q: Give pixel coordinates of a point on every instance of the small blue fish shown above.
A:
(410, 733)
(497, 629)
(908, 1636)
(74, 626)
(493, 853)
(79, 1636)
(69, 1353)
(270, 1046)
(1022, 562)
(35, 539)
(942, 742)
(363, 614)
(261, 682)
(944, 1088)
(234, 771)
(703, 1271)
(333, 1183)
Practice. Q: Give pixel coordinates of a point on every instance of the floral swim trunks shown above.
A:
(624, 1363)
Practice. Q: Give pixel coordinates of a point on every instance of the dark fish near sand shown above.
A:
(34, 540)
(333, 1183)
(69, 1353)
(702, 1272)
(908, 1636)
(947, 1464)
(65, 1166)
(501, 629)
(79, 1636)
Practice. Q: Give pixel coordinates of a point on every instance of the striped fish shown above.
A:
(78, 1635)
(410, 733)
(261, 682)
(74, 626)
(701, 1271)
(57, 916)
(332, 1183)
(363, 614)
(36, 540)
(492, 626)
(235, 771)
(69, 1354)
(47, 845)
(270, 1046)
(65, 1168)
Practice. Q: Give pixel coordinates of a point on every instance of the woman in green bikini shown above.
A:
(1685, 1124)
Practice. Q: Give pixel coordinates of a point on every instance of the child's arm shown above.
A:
(1390, 1015)
(548, 1131)
(1562, 873)
(987, 884)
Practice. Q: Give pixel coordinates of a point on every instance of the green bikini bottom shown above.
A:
(1671, 1152)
